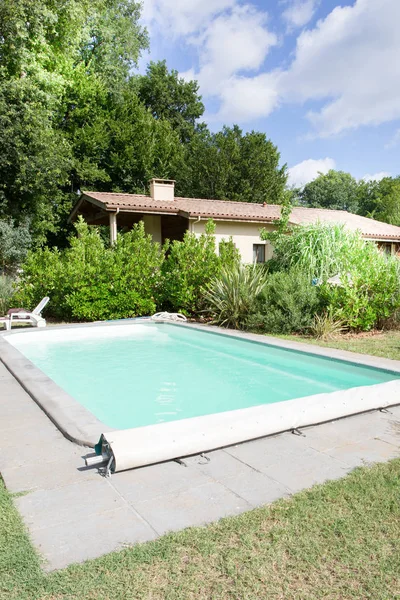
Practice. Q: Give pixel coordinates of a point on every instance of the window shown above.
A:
(259, 253)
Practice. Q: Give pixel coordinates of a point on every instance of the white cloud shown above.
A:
(232, 39)
(235, 42)
(376, 176)
(300, 12)
(395, 141)
(348, 62)
(182, 17)
(255, 97)
(308, 170)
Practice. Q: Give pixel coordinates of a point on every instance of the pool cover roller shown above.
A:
(130, 448)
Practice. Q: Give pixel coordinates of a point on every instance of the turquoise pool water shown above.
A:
(149, 373)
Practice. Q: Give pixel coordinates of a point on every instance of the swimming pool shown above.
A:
(148, 378)
(153, 373)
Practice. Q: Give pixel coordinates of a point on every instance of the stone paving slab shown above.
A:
(77, 541)
(258, 489)
(74, 514)
(218, 464)
(191, 507)
(73, 503)
(33, 452)
(148, 483)
(305, 469)
(266, 452)
(242, 479)
(48, 475)
(349, 430)
(365, 452)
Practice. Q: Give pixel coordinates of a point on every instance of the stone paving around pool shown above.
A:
(74, 514)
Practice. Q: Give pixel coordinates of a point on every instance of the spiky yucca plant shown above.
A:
(327, 326)
(231, 296)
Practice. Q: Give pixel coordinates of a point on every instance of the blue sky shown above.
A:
(320, 77)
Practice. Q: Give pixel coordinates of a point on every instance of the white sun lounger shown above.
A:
(166, 316)
(22, 316)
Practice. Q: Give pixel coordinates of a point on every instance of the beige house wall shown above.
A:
(244, 234)
(152, 225)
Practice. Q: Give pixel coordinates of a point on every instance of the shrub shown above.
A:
(230, 298)
(113, 283)
(42, 275)
(369, 293)
(6, 293)
(392, 322)
(319, 250)
(189, 266)
(229, 255)
(89, 281)
(326, 326)
(14, 244)
(287, 305)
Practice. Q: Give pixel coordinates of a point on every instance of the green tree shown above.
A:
(335, 190)
(34, 159)
(230, 165)
(61, 62)
(15, 242)
(170, 97)
(381, 200)
(139, 147)
(46, 40)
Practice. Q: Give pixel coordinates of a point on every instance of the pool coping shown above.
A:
(82, 427)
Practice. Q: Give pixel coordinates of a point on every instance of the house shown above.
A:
(168, 217)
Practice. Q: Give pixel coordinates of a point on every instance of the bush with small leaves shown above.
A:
(89, 281)
(189, 266)
(287, 305)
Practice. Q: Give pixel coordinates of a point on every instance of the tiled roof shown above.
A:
(240, 211)
(368, 227)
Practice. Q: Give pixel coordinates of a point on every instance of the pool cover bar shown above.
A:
(130, 448)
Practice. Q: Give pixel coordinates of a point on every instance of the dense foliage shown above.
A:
(189, 266)
(369, 293)
(14, 244)
(89, 281)
(320, 250)
(61, 64)
(369, 288)
(381, 199)
(6, 293)
(334, 190)
(287, 304)
(171, 98)
(74, 115)
(233, 166)
(298, 296)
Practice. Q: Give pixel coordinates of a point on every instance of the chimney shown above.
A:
(162, 189)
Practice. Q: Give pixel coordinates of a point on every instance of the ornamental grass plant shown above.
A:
(231, 297)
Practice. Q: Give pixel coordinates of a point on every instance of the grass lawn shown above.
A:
(385, 344)
(336, 541)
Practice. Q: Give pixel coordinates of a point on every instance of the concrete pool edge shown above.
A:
(74, 421)
(367, 360)
(83, 428)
